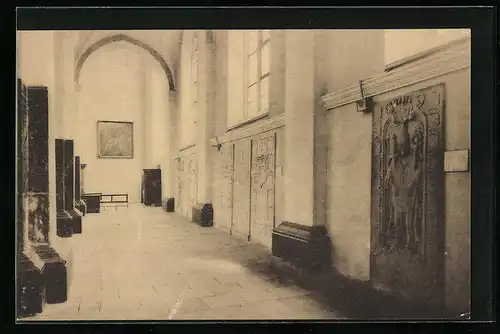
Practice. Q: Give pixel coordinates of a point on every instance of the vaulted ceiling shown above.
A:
(162, 44)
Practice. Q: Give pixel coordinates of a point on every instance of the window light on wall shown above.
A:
(257, 72)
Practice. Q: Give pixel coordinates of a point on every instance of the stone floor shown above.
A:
(141, 263)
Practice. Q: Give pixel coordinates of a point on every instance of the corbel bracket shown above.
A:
(218, 145)
(363, 105)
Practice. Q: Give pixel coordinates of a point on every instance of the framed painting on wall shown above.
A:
(115, 139)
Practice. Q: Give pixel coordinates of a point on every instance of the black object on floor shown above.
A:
(303, 246)
(30, 288)
(93, 202)
(203, 214)
(64, 222)
(169, 205)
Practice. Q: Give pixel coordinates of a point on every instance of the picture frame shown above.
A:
(115, 140)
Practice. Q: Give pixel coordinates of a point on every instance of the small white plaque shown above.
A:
(456, 161)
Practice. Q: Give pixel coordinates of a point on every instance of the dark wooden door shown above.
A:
(407, 195)
(152, 187)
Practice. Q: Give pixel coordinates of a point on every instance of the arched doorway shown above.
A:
(114, 96)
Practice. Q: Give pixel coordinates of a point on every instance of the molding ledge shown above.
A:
(444, 60)
(186, 150)
(250, 130)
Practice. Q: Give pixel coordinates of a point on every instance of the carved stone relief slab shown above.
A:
(263, 188)
(186, 187)
(407, 194)
(241, 188)
(38, 217)
(224, 205)
(192, 183)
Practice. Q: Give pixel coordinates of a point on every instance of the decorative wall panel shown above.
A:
(241, 188)
(178, 185)
(69, 175)
(263, 188)
(407, 195)
(60, 172)
(191, 181)
(224, 199)
(187, 184)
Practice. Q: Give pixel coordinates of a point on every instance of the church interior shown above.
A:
(243, 174)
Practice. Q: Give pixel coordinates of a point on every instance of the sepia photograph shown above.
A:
(243, 174)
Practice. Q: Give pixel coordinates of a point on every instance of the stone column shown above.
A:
(146, 112)
(205, 119)
(170, 173)
(38, 159)
(300, 239)
(22, 163)
(299, 127)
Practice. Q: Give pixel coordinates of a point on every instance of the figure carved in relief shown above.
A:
(401, 224)
(37, 230)
(263, 169)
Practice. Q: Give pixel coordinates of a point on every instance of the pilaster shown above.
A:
(205, 115)
(299, 127)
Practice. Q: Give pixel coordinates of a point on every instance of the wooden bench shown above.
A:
(114, 200)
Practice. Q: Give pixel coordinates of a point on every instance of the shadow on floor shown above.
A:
(354, 299)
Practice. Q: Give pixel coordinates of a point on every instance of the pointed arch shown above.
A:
(124, 38)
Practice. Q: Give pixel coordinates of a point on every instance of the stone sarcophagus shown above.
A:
(53, 272)
(92, 202)
(303, 246)
(407, 221)
(203, 214)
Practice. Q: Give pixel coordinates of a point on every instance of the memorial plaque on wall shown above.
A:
(69, 176)
(241, 188)
(190, 182)
(262, 200)
(77, 179)
(38, 171)
(178, 185)
(407, 195)
(60, 171)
